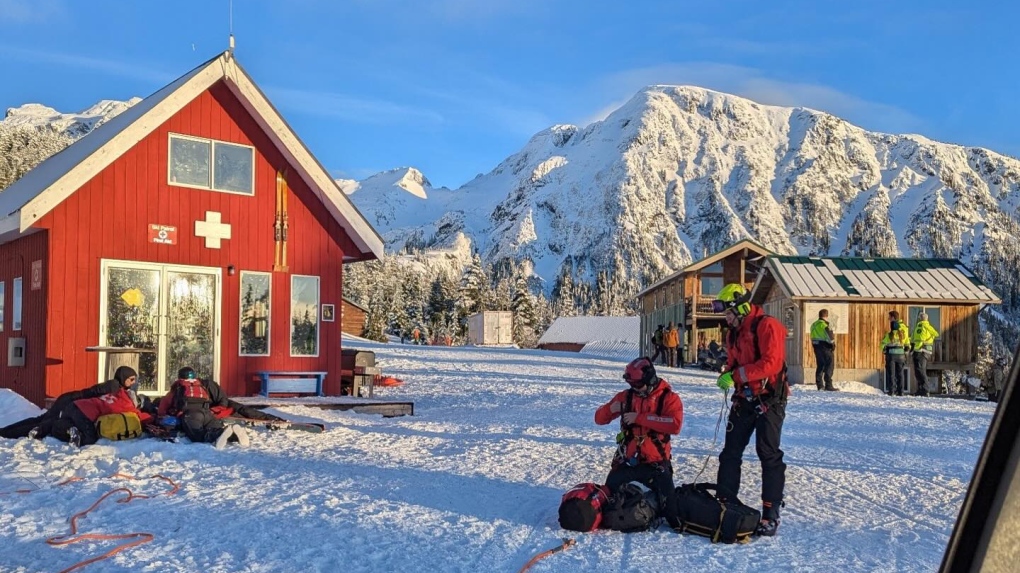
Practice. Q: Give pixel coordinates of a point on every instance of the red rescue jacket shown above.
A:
(118, 402)
(741, 356)
(648, 420)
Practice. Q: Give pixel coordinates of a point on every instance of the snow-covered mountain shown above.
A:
(679, 172)
(71, 124)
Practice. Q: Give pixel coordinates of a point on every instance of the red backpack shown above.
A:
(581, 507)
(188, 391)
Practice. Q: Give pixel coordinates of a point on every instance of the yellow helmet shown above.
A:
(733, 296)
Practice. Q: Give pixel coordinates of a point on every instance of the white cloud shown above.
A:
(754, 85)
(23, 11)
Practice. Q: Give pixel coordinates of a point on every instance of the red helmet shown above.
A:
(640, 372)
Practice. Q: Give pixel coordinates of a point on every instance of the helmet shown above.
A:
(640, 372)
(186, 373)
(733, 296)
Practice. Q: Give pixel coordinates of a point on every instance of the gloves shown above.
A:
(725, 381)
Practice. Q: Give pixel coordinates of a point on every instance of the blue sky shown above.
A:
(455, 86)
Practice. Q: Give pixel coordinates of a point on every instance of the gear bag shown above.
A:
(581, 507)
(125, 426)
(698, 511)
(633, 507)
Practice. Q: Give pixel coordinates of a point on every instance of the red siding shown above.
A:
(108, 218)
(16, 261)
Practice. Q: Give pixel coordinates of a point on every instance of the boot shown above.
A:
(242, 436)
(831, 389)
(74, 437)
(769, 519)
(221, 441)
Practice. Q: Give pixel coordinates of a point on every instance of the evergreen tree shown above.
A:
(523, 307)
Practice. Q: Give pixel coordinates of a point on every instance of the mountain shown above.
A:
(679, 172)
(71, 124)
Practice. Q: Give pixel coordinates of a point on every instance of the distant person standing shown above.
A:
(671, 342)
(895, 345)
(922, 341)
(657, 338)
(681, 333)
(824, 345)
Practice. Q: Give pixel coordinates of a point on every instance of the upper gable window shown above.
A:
(211, 164)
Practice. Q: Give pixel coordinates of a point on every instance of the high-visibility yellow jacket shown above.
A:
(821, 333)
(893, 345)
(924, 336)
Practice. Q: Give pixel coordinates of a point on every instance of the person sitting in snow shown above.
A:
(199, 406)
(76, 423)
(649, 411)
(40, 426)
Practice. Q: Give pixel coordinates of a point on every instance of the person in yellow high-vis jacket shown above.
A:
(824, 344)
(922, 343)
(895, 346)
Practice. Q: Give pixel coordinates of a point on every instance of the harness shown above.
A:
(627, 432)
(771, 392)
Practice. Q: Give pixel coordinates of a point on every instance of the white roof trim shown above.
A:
(54, 180)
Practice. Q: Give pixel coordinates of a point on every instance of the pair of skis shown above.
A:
(276, 424)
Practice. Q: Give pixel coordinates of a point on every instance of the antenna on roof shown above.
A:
(230, 24)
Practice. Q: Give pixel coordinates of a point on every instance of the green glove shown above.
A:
(725, 381)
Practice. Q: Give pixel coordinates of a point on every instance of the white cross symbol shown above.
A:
(212, 229)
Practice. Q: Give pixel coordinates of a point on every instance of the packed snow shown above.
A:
(473, 480)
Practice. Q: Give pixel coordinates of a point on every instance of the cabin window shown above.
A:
(304, 316)
(211, 164)
(934, 316)
(256, 297)
(16, 311)
(711, 285)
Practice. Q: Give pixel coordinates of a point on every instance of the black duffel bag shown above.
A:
(698, 511)
(632, 507)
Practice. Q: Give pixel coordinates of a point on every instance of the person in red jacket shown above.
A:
(77, 422)
(650, 412)
(756, 369)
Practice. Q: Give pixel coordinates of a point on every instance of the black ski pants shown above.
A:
(895, 374)
(824, 357)
(199, 424)
(660, 350)
(921, 372)
(658, 477)
(767, 428)
(72, 416)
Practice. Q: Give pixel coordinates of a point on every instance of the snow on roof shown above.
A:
(585, 329)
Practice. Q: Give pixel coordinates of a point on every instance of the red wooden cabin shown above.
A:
(194, 225)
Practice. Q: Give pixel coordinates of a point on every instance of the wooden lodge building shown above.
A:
(685, 297)
(195, 229)
(859, 293)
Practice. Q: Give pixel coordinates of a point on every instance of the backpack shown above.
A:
(698, 511)
(188, 391)
(581, 507)
(634, 507)
(780, 387)
(124, 426)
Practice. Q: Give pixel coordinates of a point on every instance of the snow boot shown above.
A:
(769, 519)
(242, 436)
(831, 389)
(221, 441)
(74, 437)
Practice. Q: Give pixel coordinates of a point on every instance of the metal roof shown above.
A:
(855, 278)
(708, 260)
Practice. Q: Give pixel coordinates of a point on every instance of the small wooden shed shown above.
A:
(859, 293)
(352, 317)
(490, 327)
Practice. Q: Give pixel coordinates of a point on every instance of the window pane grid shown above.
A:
(211, 164)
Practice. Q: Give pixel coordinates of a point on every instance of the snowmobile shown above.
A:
(712, 358)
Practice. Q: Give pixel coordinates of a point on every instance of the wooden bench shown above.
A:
(280, 382)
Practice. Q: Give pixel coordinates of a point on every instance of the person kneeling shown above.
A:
(193, 401)
(649, 411)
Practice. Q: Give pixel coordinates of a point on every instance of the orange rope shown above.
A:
(139, 538)
(566, 543)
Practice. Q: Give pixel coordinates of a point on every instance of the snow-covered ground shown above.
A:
(472, 482)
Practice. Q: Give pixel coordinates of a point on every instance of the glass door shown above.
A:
(169, 309)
